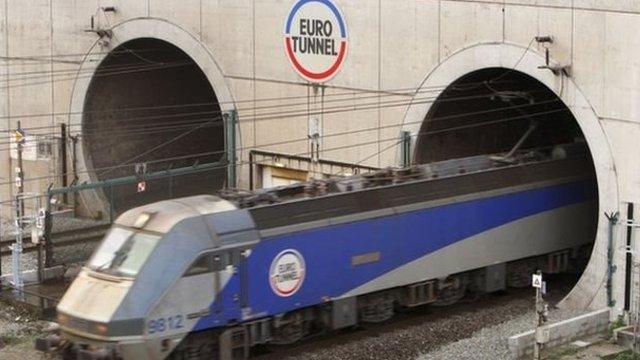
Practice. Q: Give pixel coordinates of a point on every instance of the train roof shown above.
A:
(370, 194)
(163, 215)
(575, 152)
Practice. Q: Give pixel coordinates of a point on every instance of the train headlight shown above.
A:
(100, 329)
(62, 319)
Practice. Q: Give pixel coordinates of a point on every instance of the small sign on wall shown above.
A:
(33, 148)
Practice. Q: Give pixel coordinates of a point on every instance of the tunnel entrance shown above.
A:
(150, 103)
(489, 111)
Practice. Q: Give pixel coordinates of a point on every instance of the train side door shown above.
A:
(228, 284)
(244, 279)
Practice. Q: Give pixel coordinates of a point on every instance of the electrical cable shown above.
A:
(429, 132)
(245, 119)
(198, 122)
(147, 128)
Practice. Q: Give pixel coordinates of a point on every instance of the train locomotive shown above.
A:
(211, 276)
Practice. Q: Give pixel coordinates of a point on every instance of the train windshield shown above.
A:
(123, 252)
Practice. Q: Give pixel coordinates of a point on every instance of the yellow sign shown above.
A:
(20, 136)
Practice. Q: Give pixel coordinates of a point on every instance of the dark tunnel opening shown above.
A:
(489, 111)
(150, 103)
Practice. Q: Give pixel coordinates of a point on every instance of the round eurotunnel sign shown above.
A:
(316, 39)
(287, 272)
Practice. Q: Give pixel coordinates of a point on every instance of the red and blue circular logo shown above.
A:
(287, 273)
(316, 39)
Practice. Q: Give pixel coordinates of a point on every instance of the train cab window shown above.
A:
(204, 264)
(214, 262)
(123, 252)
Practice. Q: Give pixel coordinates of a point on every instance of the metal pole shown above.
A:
(111, 217)
(16, 249)
(1, 238)
(635, 289)
(611, 268)
(230, 144)
(74, 164)
(629, 261)
(536, 344)
(20, 172)
(48, 225)
(251, 170)
(405, 149)
(636, 312)
(40, 255)
(63, 159)
(540, 319)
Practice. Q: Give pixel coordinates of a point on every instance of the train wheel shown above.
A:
(519, 273)
(450, 291)
(289, 328)
(376, 308)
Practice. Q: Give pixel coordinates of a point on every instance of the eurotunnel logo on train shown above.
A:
(316, 39)
(287, 273)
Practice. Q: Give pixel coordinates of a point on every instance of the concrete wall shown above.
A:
(560, 333)
(393, 45)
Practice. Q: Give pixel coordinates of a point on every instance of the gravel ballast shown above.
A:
(491, 342)
(62, 254)
(18, 331)
(474, 330)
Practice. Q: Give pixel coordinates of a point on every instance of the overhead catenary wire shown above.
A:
(285, 115)
(295, 114)
(326, 136)
(436, 119)
(79, 55)
(173, 140)
(409, 91)
(211, 112)
(70, 78)
(421, 133)
(191, 62)
(257, 117)
(337, 148)
(103, 70)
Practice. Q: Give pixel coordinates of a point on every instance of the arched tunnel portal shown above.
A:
(150, 103)
(494, 110)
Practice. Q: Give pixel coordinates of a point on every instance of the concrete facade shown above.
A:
(420, 45)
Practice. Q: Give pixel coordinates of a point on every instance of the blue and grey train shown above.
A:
(211, 276)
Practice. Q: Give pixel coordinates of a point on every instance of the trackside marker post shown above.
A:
(542, 332)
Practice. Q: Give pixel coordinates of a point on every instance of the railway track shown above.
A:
(62, 238)
(420, 331)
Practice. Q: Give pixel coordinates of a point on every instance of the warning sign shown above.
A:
(40, 218)
(536, 281)
(315, 39)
